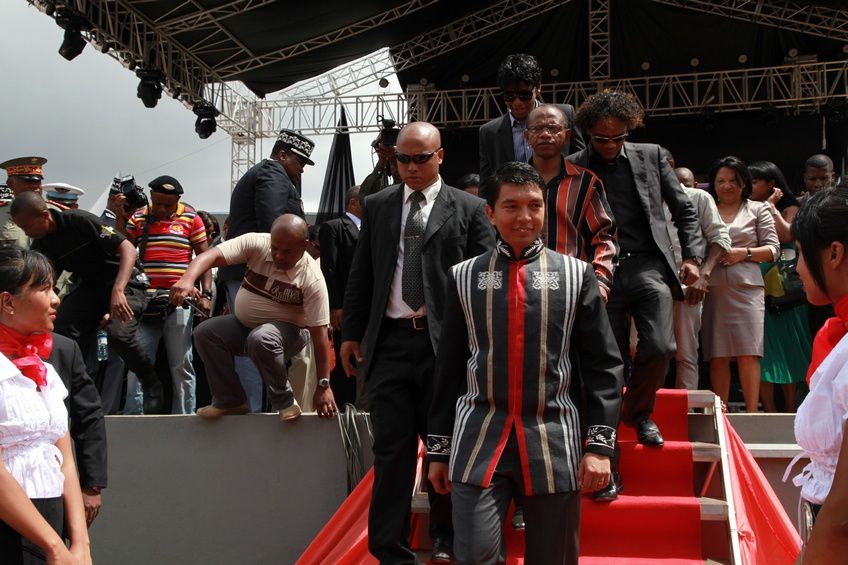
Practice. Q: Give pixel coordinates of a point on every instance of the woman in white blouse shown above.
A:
(39, 487)
(821, 229)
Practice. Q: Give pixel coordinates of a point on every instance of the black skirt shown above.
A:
(16, 549)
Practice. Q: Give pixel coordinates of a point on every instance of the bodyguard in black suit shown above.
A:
(502, 139)
(88, 427)
(411, 235)
(638, 180)
(338, 239)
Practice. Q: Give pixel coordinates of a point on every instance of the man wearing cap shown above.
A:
(62, 195)
(268, 190)
(24, 174)
(166, 233)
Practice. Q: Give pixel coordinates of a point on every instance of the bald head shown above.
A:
(547, 110)
(685, 176)
(288, 240)
(421, 142)
(290, 225)
(423, 131)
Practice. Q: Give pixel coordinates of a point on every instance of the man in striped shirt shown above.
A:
(521, 323)
(167, 232)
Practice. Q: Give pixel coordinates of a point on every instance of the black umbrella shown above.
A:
(339, 176)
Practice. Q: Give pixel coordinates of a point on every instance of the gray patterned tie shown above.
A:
(412, 284)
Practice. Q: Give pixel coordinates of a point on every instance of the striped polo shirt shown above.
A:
(169, 243)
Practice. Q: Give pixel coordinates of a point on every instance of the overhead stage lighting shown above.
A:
(205, 125)
(149, 87)
(72, 45)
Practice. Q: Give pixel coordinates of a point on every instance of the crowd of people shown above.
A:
(498, 321)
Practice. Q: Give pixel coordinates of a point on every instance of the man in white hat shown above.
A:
(62, 195)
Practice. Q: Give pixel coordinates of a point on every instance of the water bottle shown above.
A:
(102, 345)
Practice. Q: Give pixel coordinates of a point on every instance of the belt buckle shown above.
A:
(415, 323)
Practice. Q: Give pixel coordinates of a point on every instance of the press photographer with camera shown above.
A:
(125, 197)
(385, 172)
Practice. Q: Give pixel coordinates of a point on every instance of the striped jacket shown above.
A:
(580, 222)
(515, 331)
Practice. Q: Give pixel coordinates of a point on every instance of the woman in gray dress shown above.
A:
(735, 306)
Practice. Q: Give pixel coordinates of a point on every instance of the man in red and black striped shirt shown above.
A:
(579, 222)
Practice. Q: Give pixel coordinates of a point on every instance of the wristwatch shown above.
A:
(748, 253)
(207, 294)
(324, 383)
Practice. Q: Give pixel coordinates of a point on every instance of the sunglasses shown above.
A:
(601, 140)
(417, 159)
(524, 95)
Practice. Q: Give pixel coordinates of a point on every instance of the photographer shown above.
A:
(385, 172)
(125, 197)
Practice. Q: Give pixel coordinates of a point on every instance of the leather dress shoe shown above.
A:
(213, 412)
(442, 551)
(648, 433)
(611, 491)
(518, 519)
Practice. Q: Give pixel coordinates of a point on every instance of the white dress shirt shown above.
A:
(355, 219)
(397, 308)
(31, 422)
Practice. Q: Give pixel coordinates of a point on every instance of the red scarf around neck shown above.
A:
(830, 334)
(26, 352)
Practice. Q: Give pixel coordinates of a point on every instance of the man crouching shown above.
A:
(523, 326)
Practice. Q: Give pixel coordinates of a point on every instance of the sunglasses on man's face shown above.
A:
(523, 95)
(417, 159)
(601, 140)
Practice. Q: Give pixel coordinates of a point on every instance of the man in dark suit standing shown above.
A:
(502, 139)
(411, 235)
(338, 239)
(638, 180)
(88, 428)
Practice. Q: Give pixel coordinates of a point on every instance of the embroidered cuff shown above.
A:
(439, 446)
(602, 438)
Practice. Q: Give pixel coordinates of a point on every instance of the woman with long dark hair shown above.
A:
(39, 488)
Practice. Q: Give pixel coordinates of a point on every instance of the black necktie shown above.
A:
(412, 284)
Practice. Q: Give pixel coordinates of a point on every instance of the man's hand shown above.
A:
(336, 319)
(689, 272)
(350, 349)
(119, 307)
(697, 291)
(205, 305)
(325, 403)
(92, 502)
(439, 477)
(604, 292)
(594, 472)
(181, 290)
(735, 255)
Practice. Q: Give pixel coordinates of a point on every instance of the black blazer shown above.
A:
(88, 427)
(260, 197)
(457, 229)
(496, 146)
(656, 182)
(338, 243)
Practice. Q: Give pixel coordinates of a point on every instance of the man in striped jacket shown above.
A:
(521, 323)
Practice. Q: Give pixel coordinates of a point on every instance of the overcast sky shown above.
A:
(84, 117)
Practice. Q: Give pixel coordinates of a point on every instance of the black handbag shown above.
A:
(793, 289)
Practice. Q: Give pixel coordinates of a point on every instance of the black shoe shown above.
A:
(442, 551)
(649, 434)
(611, 491)
(154, 397)
(518, 519)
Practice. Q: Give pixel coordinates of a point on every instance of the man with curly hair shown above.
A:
(638, 180)
(502, 139)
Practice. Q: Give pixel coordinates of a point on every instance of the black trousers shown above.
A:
(18, 550)
(399, 393)
(79, 317)
(641, 292)
(344, 387)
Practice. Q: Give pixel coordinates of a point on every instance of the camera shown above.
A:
(134, 194)
(388, 133)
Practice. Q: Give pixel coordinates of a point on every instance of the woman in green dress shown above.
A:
(787, 339)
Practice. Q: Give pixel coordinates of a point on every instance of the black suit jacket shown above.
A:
(656, 183)
(457, 229)
(260, 197)
(338, 243)
(88, 427)
(496, 146)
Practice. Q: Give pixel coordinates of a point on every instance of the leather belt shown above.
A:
(419, 323)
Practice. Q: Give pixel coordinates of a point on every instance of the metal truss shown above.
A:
(243, 156)
(599, 39)
(822, 21)
(791, 87)
(343, 79)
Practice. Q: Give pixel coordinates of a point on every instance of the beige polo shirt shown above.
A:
(268, 294)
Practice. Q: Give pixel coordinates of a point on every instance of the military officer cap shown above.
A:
(29, 168)
(297, 143)
(166, 185)
(62, 192)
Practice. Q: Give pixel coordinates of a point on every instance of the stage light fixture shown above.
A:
(205, 125)
(645, 66)
(465, 78)
(73, 44)
(694, 61)
(793, 52)
(384, 82)
(423, 81)
(49, 8)
(149, 87)
(743, 58)
(555, 72)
